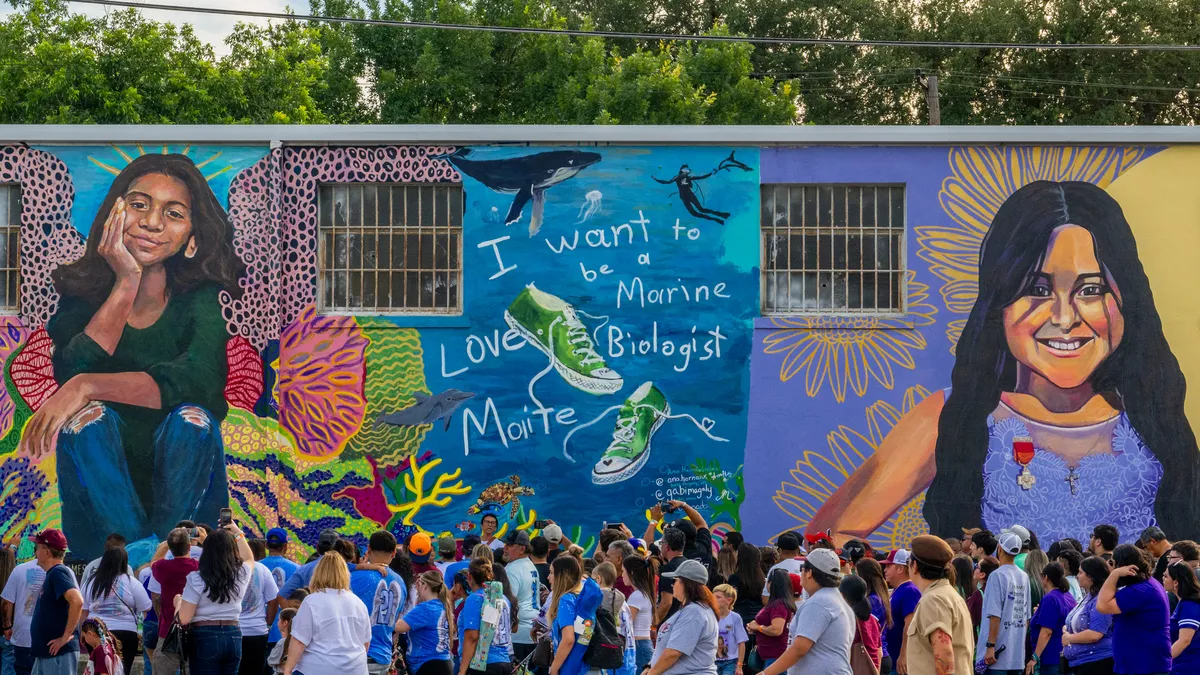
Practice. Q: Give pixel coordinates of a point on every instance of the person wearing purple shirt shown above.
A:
(1048, 622)
(1141, 622)
(1179, 579)
(1087, 635)
(904, 603)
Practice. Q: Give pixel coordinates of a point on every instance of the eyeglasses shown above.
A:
(1174, 558)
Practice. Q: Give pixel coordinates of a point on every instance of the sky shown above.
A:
(209, 27)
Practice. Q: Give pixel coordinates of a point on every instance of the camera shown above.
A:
(541, 524)
(226, 517)
(666, 506)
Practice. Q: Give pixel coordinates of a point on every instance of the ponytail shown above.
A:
(1057, 576)
(436, 583)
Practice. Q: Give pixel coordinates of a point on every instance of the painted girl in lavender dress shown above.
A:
(1066, 409)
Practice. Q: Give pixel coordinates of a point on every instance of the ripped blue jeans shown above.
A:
(97, 493)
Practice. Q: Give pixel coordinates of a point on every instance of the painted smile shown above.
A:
(1066, 345)
(147, 242)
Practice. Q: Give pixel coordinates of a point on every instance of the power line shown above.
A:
(680, 37)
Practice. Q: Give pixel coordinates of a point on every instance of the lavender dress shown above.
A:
(1116, 488)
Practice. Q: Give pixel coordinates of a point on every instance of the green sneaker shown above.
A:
(550, 324)
(642, 414)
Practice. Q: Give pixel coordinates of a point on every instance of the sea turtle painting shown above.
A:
(499, 494)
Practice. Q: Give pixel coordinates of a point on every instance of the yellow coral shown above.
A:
(440, 495)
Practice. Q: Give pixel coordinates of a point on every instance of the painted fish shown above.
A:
(465, 526)
(427, 409)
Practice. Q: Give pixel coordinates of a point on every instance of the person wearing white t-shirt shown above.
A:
(20, 596)
(524, 581)
(489, 524)
(259, 605)
(789, 558)
(112, 594)
(331, 631)
(211, 603)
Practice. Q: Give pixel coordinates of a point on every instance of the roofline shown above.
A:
(387, 134)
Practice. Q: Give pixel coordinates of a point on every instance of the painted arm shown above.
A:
(1185, 639)
(790, 656)
(565, 644)
(943, 653)
(665, 182)
(897, 472)
(41, 433)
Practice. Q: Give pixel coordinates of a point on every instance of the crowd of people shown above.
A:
(668, 602)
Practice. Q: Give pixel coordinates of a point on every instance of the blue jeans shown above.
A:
(727, 667)
(98, 495)
(149, 644)
(23, 660)
(645, 652)
(215, 650)
(8, 657)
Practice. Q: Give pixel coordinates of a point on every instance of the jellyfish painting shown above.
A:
(591, 206)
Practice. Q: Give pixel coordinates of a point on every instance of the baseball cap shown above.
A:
(692, 570)
(687, 527)
(327, 540)
(1009, 542)
(797, 584)
(931, 551)
(853, 550)
(277, 536)
(517, 538)
(896, 557)
(1020, 532)
(419, 547)
(553, 533)
(789, 542)
(53, 538)
(447, 546)
(824, 560)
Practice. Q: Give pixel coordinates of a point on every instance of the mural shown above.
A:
(173, 360)
(1061, 404)
(169, 357)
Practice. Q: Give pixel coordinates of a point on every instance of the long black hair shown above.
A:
(220, 567)
(1186, 585)
(113, 565)
(749, 571)
(1057, 576)
(854, 590)
(1097, 570)
(500, 575)
(1141, 376)
(215, 261)
(779, 585)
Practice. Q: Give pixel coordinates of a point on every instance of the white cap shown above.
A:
(1021, 532)
(825, 561)
(1010, 542)
(552, 533)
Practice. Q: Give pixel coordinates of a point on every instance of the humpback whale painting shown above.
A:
(528, 176)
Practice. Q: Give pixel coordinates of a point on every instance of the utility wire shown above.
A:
(810, 42)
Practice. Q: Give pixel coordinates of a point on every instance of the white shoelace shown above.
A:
(577, 336)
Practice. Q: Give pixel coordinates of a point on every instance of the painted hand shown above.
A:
(40, 437)
(112, 245)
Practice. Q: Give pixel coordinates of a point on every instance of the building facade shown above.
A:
(869, 331)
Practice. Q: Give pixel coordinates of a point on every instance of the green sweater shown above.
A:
(184, 352)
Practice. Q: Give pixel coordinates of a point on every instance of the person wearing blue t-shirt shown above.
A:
(1185, 620)
(54, 648)
(384, 595)
(281, 569)
(428, 627)
(469, 543)
(1047, 623)
(482, 622)
(905, 597)
(1141, 639)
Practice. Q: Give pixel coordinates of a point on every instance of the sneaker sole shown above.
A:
(591, 385)
(631, 470)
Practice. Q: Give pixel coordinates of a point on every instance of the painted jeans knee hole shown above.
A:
(91, 414)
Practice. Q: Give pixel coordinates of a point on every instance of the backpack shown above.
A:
(606, 650)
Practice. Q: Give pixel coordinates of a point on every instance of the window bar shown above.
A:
(875, 246)
(862, 301)
(804, 247)
(846, 240)
(404, 238)
(775, 209)
(375, 246)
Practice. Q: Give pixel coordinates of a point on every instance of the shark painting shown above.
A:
(427, 409)
(528, 176)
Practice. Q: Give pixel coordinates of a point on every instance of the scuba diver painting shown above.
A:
(684, 181)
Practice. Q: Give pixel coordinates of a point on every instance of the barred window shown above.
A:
(10, 248)
(390, 249)
(830, 249)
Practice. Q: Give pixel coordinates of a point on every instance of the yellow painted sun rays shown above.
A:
(126, 155)
(980, 179)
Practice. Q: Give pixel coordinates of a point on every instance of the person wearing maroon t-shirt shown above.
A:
(171, 576)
